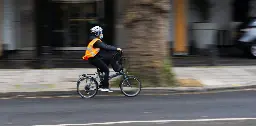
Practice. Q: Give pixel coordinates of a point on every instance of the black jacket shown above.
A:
(104, 48)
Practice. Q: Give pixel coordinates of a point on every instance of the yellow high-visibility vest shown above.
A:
(91, 52)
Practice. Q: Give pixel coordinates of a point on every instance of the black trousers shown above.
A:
(102, 64)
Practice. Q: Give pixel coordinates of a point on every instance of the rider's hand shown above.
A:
(119, 49)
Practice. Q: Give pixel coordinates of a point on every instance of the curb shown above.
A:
(144, 91)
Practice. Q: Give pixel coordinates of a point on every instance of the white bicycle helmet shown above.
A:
(98, 31)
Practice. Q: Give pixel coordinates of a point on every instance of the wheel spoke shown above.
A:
(87, 87)
(133, 84)
(128, 82)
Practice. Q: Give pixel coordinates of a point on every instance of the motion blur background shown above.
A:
(54, 33)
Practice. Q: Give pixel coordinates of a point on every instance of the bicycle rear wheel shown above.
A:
(130, 86)
(87, 87)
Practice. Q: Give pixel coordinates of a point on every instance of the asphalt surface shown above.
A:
(213, 123)
(74, 110)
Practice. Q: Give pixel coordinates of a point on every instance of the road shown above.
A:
(186, 107)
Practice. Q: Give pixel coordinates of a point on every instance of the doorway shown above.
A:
(66, 25)
(241, 9)
(72, 21)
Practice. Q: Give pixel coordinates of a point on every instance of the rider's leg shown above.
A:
(104, 68)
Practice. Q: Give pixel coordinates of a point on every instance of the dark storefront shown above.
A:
(62, 28)
(55, 33)
(65, 25)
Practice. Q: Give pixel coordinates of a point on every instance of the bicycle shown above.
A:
(94, 84)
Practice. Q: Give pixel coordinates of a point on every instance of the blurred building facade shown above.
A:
(29, 25)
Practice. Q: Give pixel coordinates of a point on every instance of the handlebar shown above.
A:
(118, 52)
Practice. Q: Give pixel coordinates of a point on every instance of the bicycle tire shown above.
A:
(122, 83)
(94, 81)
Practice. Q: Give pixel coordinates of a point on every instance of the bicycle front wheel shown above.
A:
(87, 87)
(130, 86)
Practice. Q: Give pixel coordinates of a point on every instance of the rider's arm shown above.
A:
(102, 45)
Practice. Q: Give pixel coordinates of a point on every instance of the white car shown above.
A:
(246, 37)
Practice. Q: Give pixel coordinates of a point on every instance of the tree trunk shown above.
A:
(147, 25)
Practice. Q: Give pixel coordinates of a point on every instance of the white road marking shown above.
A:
(154, 121)
(64, 96)
(20, 95)
(156, 94)
(5, 98)
(30, 97)
(45, 97)
(250, 89)
(109, 95)
(147, 112)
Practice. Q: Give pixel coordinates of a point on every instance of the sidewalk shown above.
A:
(192, 79)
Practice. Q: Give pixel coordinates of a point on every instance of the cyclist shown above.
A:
(99, 55)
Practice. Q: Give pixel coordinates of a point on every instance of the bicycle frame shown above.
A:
(98, 73)
(121, 73)
(98, 77)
